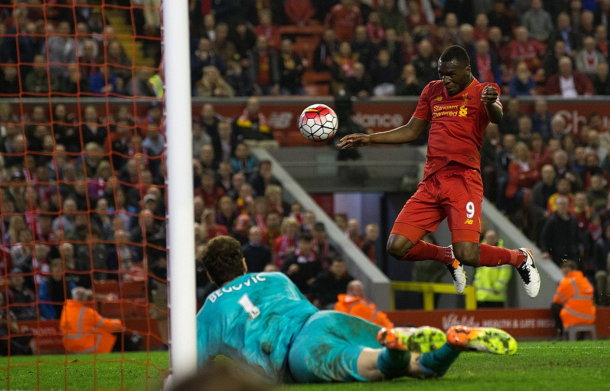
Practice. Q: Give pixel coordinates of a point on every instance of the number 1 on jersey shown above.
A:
(249, 307)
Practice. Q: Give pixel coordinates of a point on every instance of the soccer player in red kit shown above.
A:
(459, 108)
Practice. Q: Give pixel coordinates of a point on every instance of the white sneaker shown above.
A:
(529, 273)
(457, 273)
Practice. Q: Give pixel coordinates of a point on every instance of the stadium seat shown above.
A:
(111, 309)
(106, 287)
(133, 290)
(123, 309)
(302, 30)
(571, 333)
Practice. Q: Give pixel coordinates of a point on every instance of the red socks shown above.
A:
(490, 255)
(495, 256)
(423, 251)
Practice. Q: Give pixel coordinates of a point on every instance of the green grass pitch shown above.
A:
(537, 366)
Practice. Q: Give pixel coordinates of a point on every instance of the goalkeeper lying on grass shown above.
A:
(263, 321)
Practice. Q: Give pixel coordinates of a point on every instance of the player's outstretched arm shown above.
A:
(403, 134)
(489, 96)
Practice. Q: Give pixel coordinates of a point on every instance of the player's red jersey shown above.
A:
(457, 125)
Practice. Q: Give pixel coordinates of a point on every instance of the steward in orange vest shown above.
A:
(573, 301)
(83, 329)
(354, 303)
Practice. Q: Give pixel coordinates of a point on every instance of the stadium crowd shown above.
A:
(83, 190)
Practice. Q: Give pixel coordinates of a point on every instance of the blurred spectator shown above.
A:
(481, 27)
(245, 200)
(541, 119)
(500, 16)
(538, 22)
(601, 39)
(353, 231)
(503, 160)
(243, 38)
(393, 46)
(88, 60)
(141, 84)
(363, 47)
(257, 253)
(302, 265)
(325, 250)
(525, 129)
(252, 123)
(286, 242)
(409, 48)
(299, 12)
(262, 178)
(239, 78)
(524, 49)
(38, 80)
(343, 18)
(586, 27)
(601, 81)
(491, 283)
(559, 237)
(207, 158)
(360, 83)
(408, 84)
(200, 137)
(540, 154)
(209, 225)
(205, 56)
(342, 66)
(209, 191)
(237, 180)
(21, 299)
(573, 301)
(522, 175)
(9, 80)
(53, 291)
(149, 233)
(222, 45)
(118, 62)
(369, 242)
(101, 82)
(291, 68)
(597, 193)
(227, 212)
(565, 32)
(568, 83)
(564, 171)
(123, 258)
(264, 68)
(425, 63)
(223, 175)
(268, 29)
(466, 39)
(601, 266)
(213, 85)
(588, 58)
(522, 84)
(391, 17)
(65, 221)
(484, 66)
(384, 73)
(240, 230)
(61, 48)
(325, 51)
(355, 303)
(375, 31)
(329, 284)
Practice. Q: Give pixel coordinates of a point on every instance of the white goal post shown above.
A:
(182, 302)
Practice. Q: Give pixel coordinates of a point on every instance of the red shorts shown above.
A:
(455, 192)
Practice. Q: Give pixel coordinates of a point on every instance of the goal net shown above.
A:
(83, 195)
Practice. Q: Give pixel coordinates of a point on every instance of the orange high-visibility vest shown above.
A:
(361, 307)
(85, 331)
(575, 294)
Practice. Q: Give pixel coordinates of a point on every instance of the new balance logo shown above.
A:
(468, 221)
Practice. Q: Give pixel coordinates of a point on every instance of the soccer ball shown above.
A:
(318, 122)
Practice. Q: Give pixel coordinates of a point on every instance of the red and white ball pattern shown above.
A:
(318, 122)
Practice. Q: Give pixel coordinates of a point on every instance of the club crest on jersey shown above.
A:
(438, 98)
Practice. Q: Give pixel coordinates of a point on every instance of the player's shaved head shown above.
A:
(224, 260)
(457, 54)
